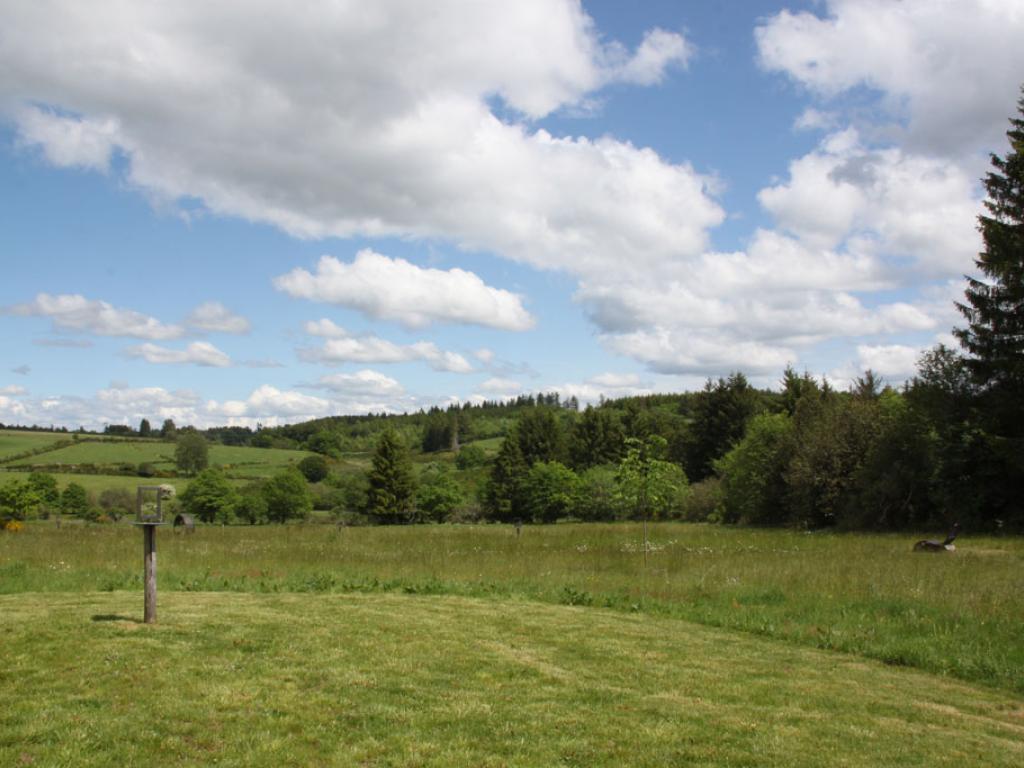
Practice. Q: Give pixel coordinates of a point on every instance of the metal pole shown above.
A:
(149, 560)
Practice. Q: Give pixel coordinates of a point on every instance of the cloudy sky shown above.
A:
(250, 212)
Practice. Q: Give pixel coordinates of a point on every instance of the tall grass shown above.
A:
(959, 614)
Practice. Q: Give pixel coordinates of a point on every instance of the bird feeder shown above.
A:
(149, 514)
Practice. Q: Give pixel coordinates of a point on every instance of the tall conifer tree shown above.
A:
(994, 307)
(392, 486)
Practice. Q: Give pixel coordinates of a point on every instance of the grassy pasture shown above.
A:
(958, 614)
(13, 442)
(239, 461)
(403, 680)
(97, 483)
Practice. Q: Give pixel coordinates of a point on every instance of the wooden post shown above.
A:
(149, 561)
(645, 541)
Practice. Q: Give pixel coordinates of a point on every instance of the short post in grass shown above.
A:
(149, 514)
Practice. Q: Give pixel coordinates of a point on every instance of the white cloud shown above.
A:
(894, 361)
(364, 382)
(12, 410)
(606, 385)
(506, 387)
(908, 205)
(267, 405)
(270, 403)
(13, 390)
(615, 380)
(74, 312)
(340, 347)
(215, 317)
(68, 141)
(197, 353)
(658, 50)
(328, 329)
(484, 355)
(949, 69)
(395, 289)
(403, 141)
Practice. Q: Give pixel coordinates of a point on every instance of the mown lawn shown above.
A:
(955, 614)
(403, 680)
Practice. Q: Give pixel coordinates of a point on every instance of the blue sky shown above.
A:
(255, 214)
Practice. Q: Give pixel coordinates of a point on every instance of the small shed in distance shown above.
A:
(181, 520)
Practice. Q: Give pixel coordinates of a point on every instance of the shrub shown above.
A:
(753, 471)
(313, 468)
(438, 495)
(117, 502)
(550, 491)
(287, 496)
(597, 498)
(704, 503)
(74, 500)
(470, 456)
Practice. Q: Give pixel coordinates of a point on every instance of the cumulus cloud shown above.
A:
(933, 62)
(901, 204)
(894, 361)
(340, 347)
(395, 289)
(13, 390)
(197, 353)
(400, 144)
(67, 141)
(364, 382)
(73, 312)
(12, 410)
(215, 317)
(496, 385)
(266, 404)
(657, 51)
(271, 403)
(328, 329)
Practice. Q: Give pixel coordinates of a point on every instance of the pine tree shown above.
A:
(503, 494)
(994, 308)
(392, 486)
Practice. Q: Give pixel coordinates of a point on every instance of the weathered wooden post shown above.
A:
(149, 514)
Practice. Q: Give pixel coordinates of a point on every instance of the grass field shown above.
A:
(405, 680)
(959, 614)
(240, 462)
(13, 442)
(97, 483)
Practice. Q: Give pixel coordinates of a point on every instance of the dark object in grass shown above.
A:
(928, 545)
(181, 520)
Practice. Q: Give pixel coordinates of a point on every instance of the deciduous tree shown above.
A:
(192, 453)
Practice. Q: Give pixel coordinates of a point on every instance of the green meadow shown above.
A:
(14, 442)
(99, 462)
(956, 614)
